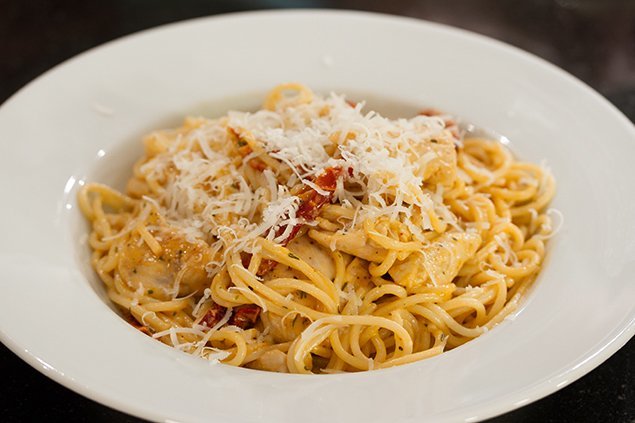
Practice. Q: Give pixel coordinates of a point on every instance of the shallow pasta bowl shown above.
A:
(83, 121)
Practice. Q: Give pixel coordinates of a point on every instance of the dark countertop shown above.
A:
(592, 39)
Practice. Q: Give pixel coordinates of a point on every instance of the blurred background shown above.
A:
(592, 39)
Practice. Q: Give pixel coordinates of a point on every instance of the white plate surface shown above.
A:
(83, 120)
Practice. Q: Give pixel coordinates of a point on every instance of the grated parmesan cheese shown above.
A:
(207, 194)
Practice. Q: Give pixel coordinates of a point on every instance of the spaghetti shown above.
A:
(313, 237)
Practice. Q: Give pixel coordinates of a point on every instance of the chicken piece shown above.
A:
(355, 243)
(157, 274)
(314, 254)
(272, 361)
(438, 263)
(436, 159)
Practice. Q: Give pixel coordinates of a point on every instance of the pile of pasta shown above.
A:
(312, 236)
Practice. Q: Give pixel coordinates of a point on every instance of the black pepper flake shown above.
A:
(293, 256)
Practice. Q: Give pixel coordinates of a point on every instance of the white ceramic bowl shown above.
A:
(83, 120)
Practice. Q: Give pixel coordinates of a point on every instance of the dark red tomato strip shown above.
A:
(243, 316)
(311, 202)
(213, 315)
